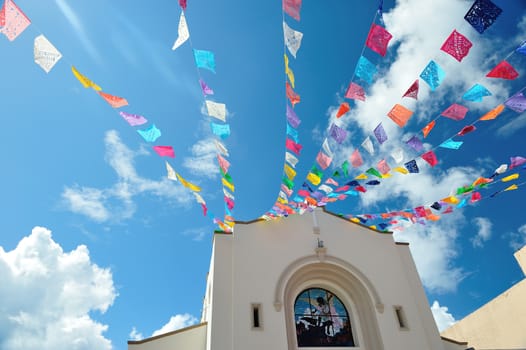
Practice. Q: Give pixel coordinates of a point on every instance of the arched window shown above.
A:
(321, 319)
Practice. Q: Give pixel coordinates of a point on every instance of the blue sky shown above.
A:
(132, 248)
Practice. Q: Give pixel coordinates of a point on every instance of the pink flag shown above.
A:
(223, 163)
(114, 101)
(457, 45)
(383, 167)
(205, 88)
(292, 8)
(378, 39)
(430, 158)
(164, 151)
(355, 92)
(356, 159)
(412, 92)
(455, 112)
(293, 146)
(516, 161)
(14, 20)
(182, 3)
(323, 160)
(503, 70)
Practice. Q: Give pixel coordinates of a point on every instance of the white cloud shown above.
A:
(484, 226)
(47, 295)
(518, 239)
(116, 202)
(442, 317)
(434, 251)
(176, 322)
(203, 160)
(135, 335)
(419, 29)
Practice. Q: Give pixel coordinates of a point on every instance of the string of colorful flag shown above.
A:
(13, 22)
(464, 195)
(220, 128)
(457, 46)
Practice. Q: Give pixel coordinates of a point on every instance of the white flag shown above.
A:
(182, 32)
(292, 39)
(291, 159)
(368, 145)
(45, 54)
(216, 110)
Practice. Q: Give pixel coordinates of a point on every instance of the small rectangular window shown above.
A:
(400, 317)
(256, 316)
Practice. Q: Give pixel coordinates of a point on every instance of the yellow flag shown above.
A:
(227, 185)
(386, 175)
(450, 200)
(290, 172)
(361, 177)
(84, 80)
(511, 188)
(314, 179)
(511, 177)
(401, 170)
(355, 220)
(187, 184)
(288, 71)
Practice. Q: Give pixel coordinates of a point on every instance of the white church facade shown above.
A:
(309, 281)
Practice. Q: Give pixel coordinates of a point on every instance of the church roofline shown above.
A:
(146, 340)
(454, 341)
(239, 222)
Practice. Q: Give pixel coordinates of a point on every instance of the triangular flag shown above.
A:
(356, 159)
(182, 32)
(292, 8)
(205, 88)
(433, 75)
(344, 108)
(150, 134)
(14, 20)
(133, 119)
(114, 101)
(164, 151)
(84, 80)
(516, 102)
(466, 130)
(516, 161)
(430, 158)
(380, 134)
(205, 59)
(170, 172)
(378, 39)
(503, 70)
(291, 95)
(292, 39)
(412, 92)
(216, 110)
(457, 45)
(45, 54)
(400, 115)
(494, 113)
(482, 14)
(455, 112)
(187, 184)
(476, 93)
(288, 71)
(511, 188)
(451, 144)
(427, 129)
(355, 92)
(368, 145)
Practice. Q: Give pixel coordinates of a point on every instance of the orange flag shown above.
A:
(494, 113)
(400, 115)
(114, 101)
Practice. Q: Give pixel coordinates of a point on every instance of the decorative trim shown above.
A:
(146, 340)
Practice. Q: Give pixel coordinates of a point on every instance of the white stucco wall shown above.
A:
(499, 324)
(247, 267)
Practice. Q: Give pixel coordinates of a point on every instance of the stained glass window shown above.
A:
(321, 320)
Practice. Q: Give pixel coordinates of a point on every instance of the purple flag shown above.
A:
(292, 118)
(516, 161)
(133, 119)
(337, 133)
(206, 89)
(380, 134)
(516, 102)
(415, 143)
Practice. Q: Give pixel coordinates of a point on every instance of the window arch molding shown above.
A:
(360, 300)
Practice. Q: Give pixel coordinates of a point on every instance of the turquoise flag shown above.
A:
(205, 59)
(150, 134)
